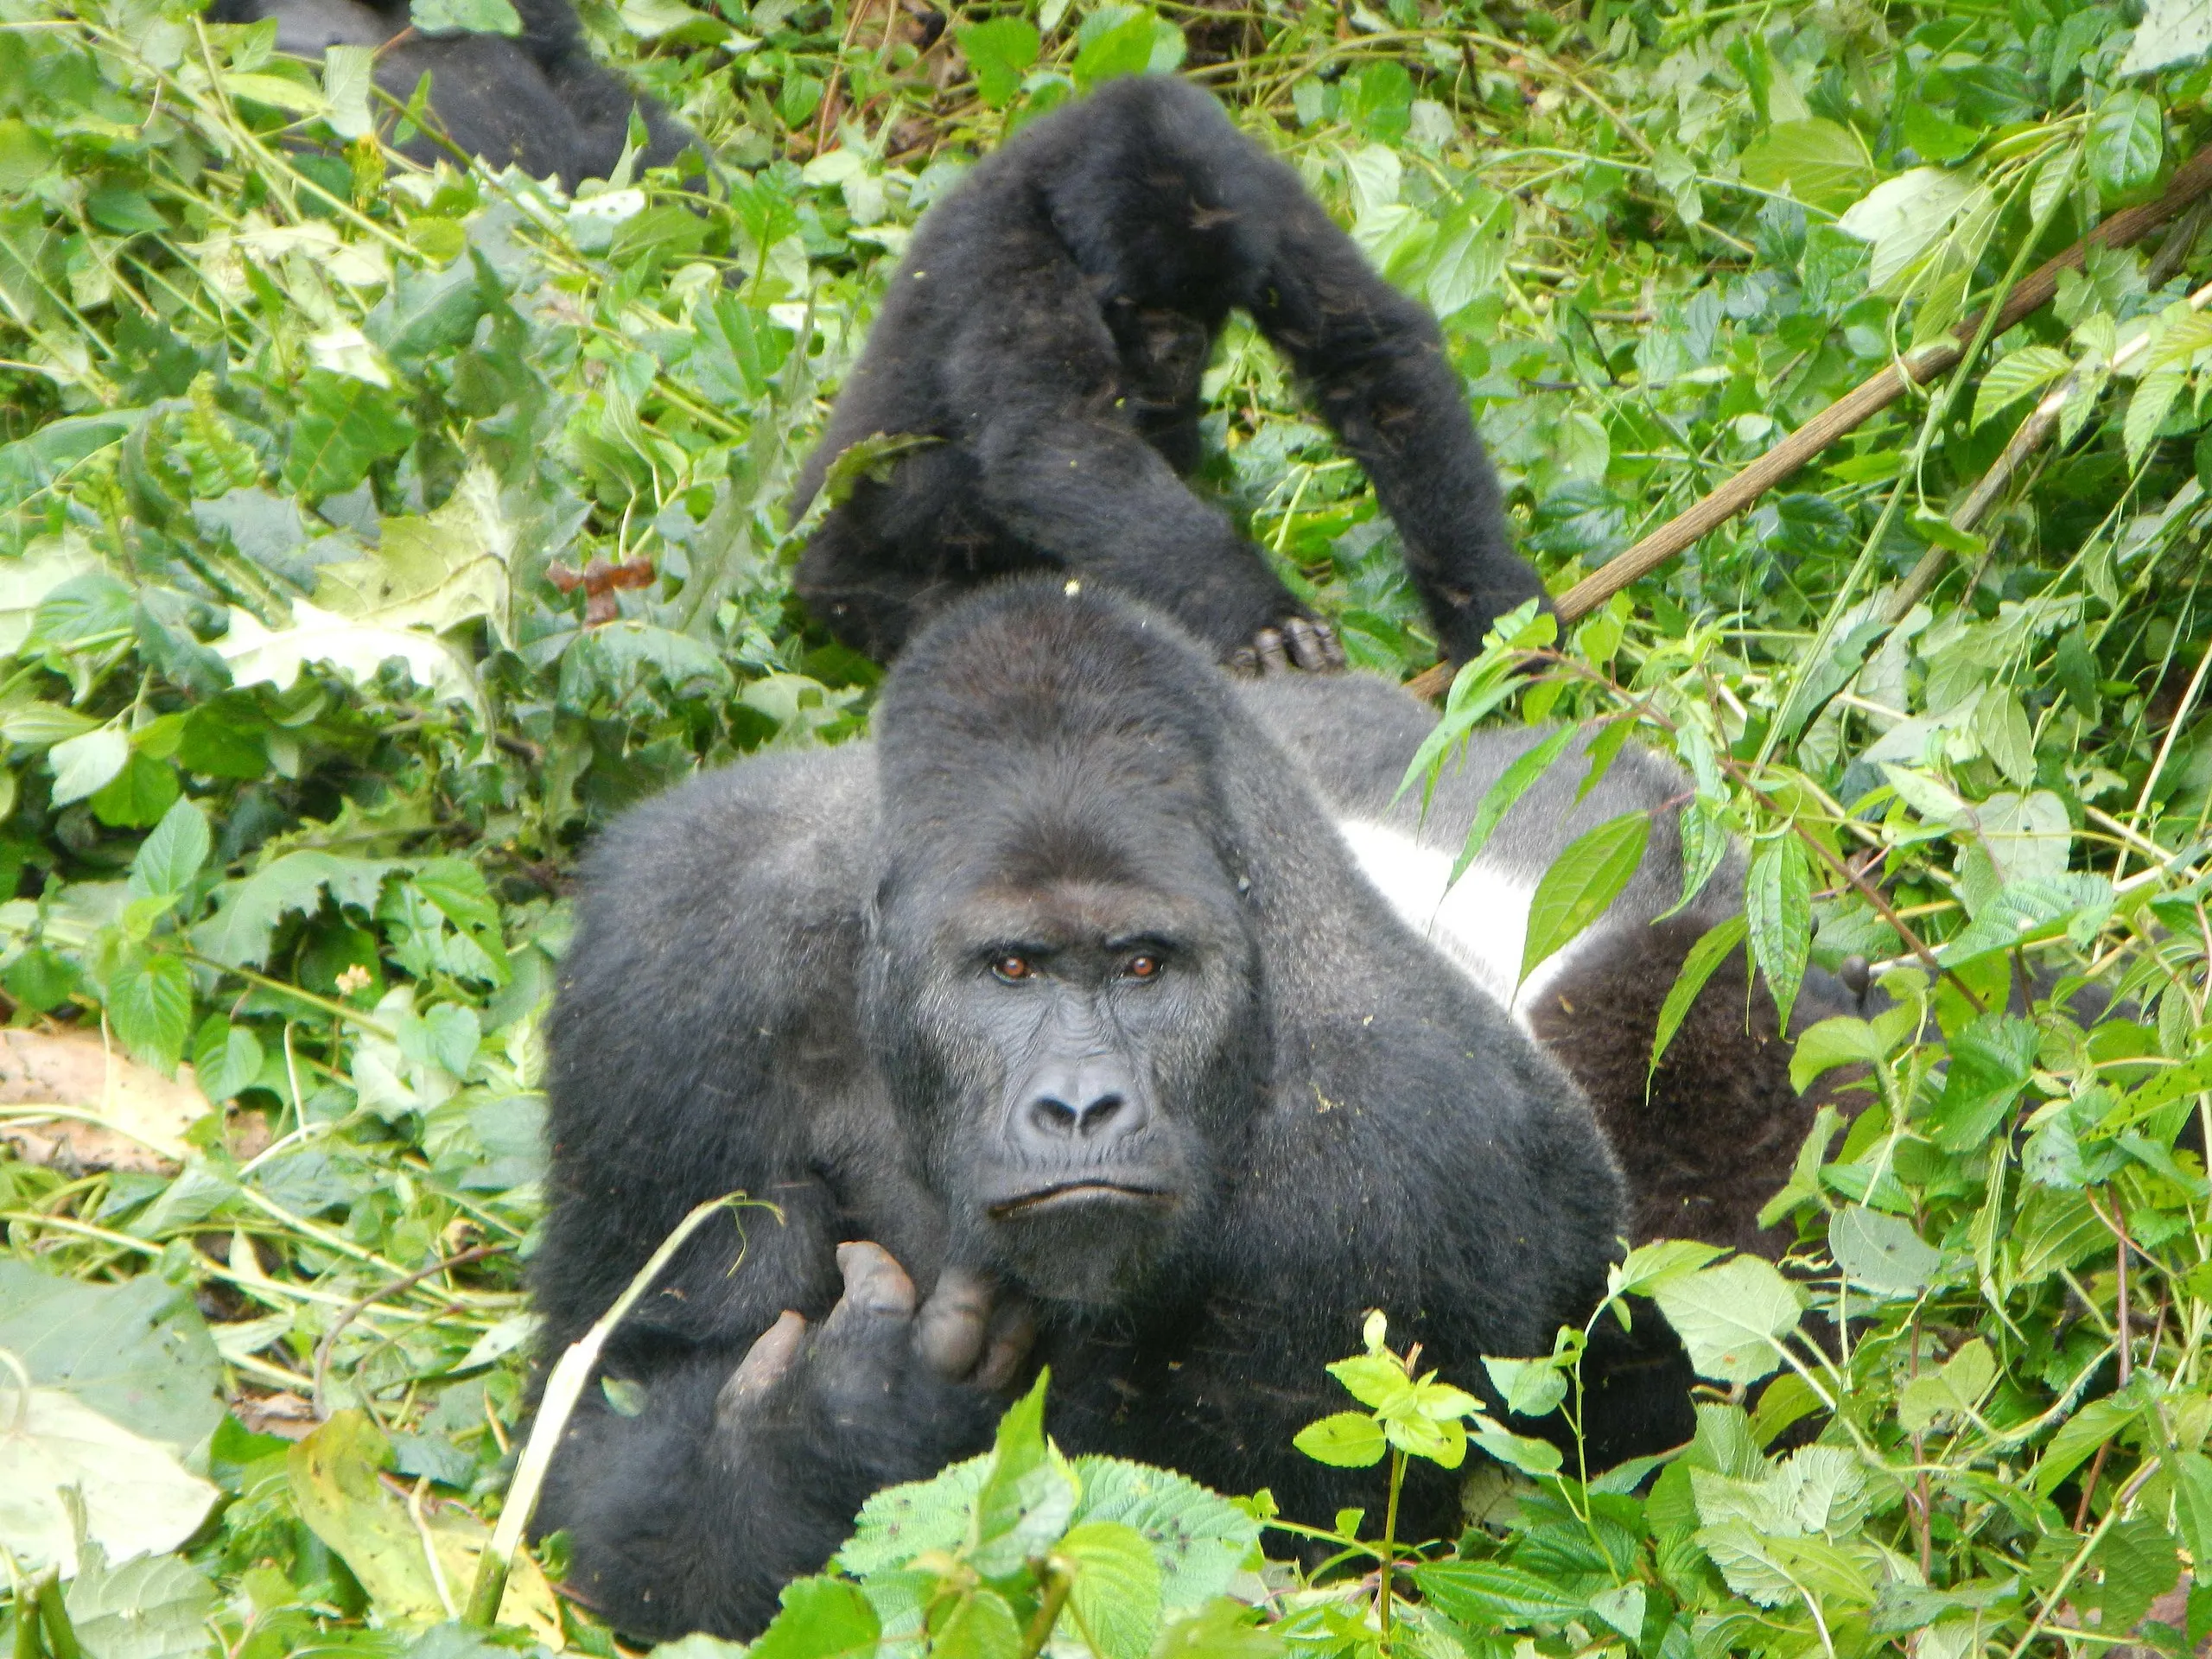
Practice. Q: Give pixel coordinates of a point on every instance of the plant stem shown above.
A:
(1058, 1582)
(1389, 1547)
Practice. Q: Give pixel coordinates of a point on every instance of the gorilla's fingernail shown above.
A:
(1014, 1331)
(949, 1339)
(873, 1281)
(763, 1366)
(1272, 658)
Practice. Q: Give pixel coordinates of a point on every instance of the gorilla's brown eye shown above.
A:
(1142, 968)
(1012, 969)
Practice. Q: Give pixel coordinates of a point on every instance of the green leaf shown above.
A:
(224, 1057)
(2192, 1472)
(1952, 1391)
(820, 1618)
(469, 16)
(1000, 52)
(1991, 1060)
(1347, 1440)
(168, 860)
(151, 1607)
(1027, 1497)
(239, 933)
(1487, 1594)
(137, 1498)
(1587, 877)
(150, 1005)
(1376, 1381)
(1822, 163)
(1716, 946)
(138, 795)
(2083, 1432)
(83, 765)
(2127, 142)
(1881, 1253)
(2172, 32)
(1509, 787)
(1117, 41)
(1622, 1607)
(1535, 1459)
(2147, 410)
(138, 1353)
(343, 426)
(1904, 216)
(1199, 1537)
(1731, 1316)
(1778, 908)
(2014, 375)
(1530, 1387)
(1839, 1041)
(1115, 1596)
(978, 1625)
(1662, 1260)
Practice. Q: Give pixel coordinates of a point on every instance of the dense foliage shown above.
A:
(368, 535)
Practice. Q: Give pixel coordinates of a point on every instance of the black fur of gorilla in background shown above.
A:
(1063, 994)
(1047, 329)
(540, 100)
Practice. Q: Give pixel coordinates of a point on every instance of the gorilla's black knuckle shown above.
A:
(1075, 285)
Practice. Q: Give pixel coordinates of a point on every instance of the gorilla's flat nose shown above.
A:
(1102, 1119)
(1081, 1111)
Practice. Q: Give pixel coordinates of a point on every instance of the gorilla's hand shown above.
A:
(1299, 642)
(877, 1347)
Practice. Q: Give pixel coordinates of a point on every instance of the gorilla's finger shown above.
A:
(876, 1285)
(1272, 658)
(1305, 647)
(764, 1365)
(1331, 647)
(950, 1331)
(1014, 1329)
(1245, 662)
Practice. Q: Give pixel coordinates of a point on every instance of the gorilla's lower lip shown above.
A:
(1075, 1193)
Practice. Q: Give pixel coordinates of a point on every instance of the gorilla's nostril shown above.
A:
(1096, 1115)
(1055, 1117)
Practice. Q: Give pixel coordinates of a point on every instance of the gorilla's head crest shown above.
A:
(1063, 985)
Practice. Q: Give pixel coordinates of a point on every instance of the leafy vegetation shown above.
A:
(367, 535)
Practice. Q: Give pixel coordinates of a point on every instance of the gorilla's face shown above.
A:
(1075, 1057)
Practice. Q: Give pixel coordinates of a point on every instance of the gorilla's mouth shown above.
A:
(1067, 1195)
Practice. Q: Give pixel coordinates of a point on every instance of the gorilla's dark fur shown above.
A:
(539, 99)
(1716, 1135)
(1065, 993)
(1047, 330)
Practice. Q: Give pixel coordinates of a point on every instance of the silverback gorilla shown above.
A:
(540, 100)
(1065, 997)
(1047, 331)
(1710, 1137)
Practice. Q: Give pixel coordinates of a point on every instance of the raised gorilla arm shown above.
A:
(1050, 328)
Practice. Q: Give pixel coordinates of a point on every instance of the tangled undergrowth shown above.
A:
(369, 535)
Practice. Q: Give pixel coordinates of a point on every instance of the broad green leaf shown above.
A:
(435, 572)
(150, 1005)
(2015, 375)
(1731, 1316)
(138, 796)
(137, 1498)
(1027, 1496)
(1444, 1444)
(349, 83)
(1530, 1387)
(1881, 1253)
(1510, 785)
(168, 860)
(1991, 1060)
(820, 1618)
(357, 649)
(149, 1607)
(978, 1625)
(225, 1059)
(1659, 1263)
(343, 426)
(2172, 32)
(1533, 1458)
(1903, 217)
(2192, 1472)
(1586, 878)
(1199, 1537)
(1717, 944)
(2080, 1435)
(2147, 409)
(1822, 163)
(2127, 142)
(471, 17)
(1705, 843)
(1486, 1594)
(1622, 1607)
(83, 765)
(2006, 737)
(138, 1353)
(1347, 1440)
(1839, 1041)
(239, 932)
(1121, 40)
(1778, 910)
(900, 1522)
(278, 92)
(1375, 1380)
(1953, 1390)
(998, 52)
(1115, 1596)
